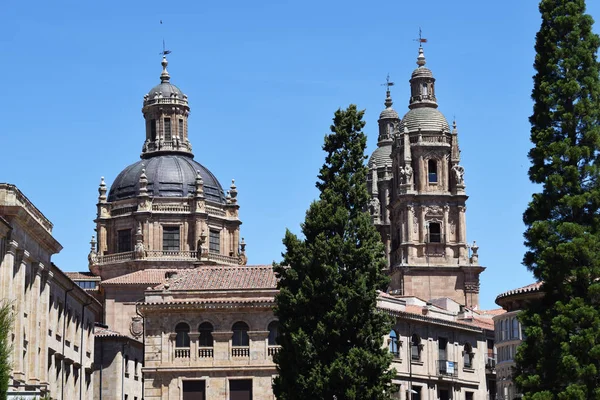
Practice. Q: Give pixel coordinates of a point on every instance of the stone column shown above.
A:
(409, 223)
(422, 175)
(221, 345)
(258, 345)
(8, 265)
(384, 210)
(422, 224)
(34, 334)
(45, 320)
(18, 296)
(461, 231)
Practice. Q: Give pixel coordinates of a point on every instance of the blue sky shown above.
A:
(263, 80)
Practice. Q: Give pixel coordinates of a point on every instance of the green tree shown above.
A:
(6, 321)
(560, 358)
(330, 330)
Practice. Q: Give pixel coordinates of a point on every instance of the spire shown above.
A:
(164, 76)
(421, 58)
(422, 84)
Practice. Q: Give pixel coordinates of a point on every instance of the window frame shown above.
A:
(214, 241)
(205, 337)
(434, 237)
(432, 177)
(240, 337)
(175, 243)
(182, 328)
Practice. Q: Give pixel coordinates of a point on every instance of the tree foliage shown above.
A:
(6, 324)
(330, 330)
(560, 358)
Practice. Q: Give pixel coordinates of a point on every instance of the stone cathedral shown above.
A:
(418, 198)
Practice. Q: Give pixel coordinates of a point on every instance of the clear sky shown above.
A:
(263, 80)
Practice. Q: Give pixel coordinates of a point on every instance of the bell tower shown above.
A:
(429, 256)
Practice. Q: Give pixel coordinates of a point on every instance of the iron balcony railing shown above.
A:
(447, 368)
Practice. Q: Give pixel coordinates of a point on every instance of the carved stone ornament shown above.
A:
(435, 210)
(374, 206)
(406, 174)
(459, 174)
(136, 327)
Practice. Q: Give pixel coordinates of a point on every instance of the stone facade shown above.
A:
(53, 344)
(439, 352)
(419, 201)
(510, 334)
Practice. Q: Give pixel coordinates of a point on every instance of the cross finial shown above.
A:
(388, 83)
(421, 39)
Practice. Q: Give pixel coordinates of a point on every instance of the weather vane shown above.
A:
(388, 83)
(164, 51)
(421, 39)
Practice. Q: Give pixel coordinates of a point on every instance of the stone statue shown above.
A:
(406, 173)
(374, 206)
(459, 173)
(145, 146)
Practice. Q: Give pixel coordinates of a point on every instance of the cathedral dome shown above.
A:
(427, 118)
(381, 156)
(389, 113)
(170, 175)
(165, 89)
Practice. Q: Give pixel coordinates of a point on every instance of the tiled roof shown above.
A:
(151, 277)
(482, 322)
(223, 278)
(102, 332)
(224, 300)
(76, 276)
(494, 312)
(534, 287)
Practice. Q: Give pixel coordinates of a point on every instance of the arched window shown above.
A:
(425, 90)
(515, 328)
(205, 339)
(240, 334)
(432, 171)
(273, 333)
(415, 347)
(468, 355)
(394, 343)
(182, 330)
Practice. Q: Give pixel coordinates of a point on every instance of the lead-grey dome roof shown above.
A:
(168, 176)
(165, 89)
(428, 118)
(381, 156)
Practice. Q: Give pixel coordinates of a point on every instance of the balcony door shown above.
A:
(240, 389)
(194, 390)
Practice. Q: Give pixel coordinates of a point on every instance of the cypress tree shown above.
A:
(6, 320)
(330, 330)
(560, 359)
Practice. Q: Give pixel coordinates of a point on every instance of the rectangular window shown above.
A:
(181, 129)
(468, 395)
(168, 129)
(124, 240)
(444, 394)
(432, 169)
(442, 345)
(194, 390)
(416, 393)
(153, 129)
(240, 389)
(171, 238)
(435, 232)
(214, 241)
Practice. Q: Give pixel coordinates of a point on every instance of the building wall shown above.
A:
(426, 372)
(119, 373)
(165, 369)
(509, 335)
(52, 340)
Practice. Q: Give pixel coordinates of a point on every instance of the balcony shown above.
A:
(490, 362)
(165, 255)
(205, 352)
(272, 350)
(182, 352)
(240, 352)
(447, 368)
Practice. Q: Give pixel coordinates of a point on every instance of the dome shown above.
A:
(381, 156)
(422, 72)
(168, 176)
(389, 113)
(165, 89)
(428, 118)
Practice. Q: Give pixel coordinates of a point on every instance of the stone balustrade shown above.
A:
(182, 352)
(240, 351)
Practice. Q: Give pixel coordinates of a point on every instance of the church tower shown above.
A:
(429, 255)
(380, 170)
